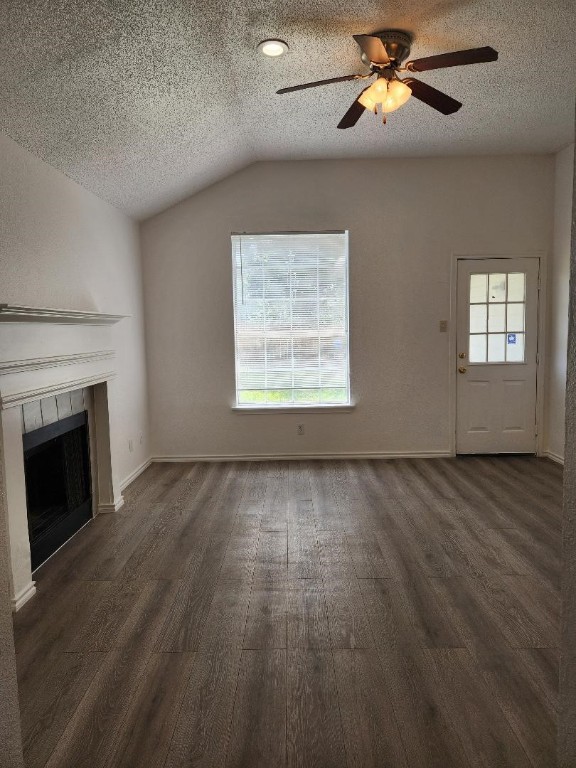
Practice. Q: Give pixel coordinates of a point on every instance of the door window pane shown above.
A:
(515, 317)
(478, 318)
(478, 288)
(477, 351)
(497, 287)
(496, 350)
(497, 318)
(516, 286)
(515, 347)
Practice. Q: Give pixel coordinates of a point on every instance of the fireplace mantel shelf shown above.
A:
(15, 313)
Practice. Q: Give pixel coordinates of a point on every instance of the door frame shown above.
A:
(540, 341)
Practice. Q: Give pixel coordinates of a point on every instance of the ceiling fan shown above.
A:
(384, 52)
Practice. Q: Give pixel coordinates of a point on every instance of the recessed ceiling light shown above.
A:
(272, 48)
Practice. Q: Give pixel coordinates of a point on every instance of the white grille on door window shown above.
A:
(497, 317)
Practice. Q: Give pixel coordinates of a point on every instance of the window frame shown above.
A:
(252, 408)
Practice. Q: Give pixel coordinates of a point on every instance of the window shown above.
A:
(497, 317)
(291, 319)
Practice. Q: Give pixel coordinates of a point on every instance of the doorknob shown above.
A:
(461, 369)
(462, 355)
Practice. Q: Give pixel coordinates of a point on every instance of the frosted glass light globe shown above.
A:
(367, 102)
(398, 94)
(379, 89)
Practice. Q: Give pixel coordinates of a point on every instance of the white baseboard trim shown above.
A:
(306, 456)
(136, 473)
(23, 596)
(554, 457)
(117, 504)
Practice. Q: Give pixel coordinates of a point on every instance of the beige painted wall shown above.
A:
(567, 706)
(406, 219)
(558, 292)
(61, 246)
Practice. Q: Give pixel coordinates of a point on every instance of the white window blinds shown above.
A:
(291, 319)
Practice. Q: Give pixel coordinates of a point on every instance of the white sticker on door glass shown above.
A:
(515, 347)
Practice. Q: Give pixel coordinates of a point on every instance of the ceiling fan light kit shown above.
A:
(389, 94)
(384, 53)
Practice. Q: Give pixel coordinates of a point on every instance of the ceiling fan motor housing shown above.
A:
(397, 44)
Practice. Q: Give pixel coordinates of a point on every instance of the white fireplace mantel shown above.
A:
(47, 352)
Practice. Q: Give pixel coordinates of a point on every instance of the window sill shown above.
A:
(258, 410)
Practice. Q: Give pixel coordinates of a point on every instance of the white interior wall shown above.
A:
(558, 294)
(61, 246)
(406, 219)
(10, 731)
(567, 699)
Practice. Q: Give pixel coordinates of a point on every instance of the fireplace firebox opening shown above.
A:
(58, 487)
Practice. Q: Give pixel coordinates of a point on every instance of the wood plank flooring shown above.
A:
(343, 614)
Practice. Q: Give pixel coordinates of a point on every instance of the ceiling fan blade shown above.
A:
(316, 83)
(373, 47)
(454, 59)
(431, 96)
(354, 113)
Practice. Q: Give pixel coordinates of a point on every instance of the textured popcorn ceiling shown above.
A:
(146, 101)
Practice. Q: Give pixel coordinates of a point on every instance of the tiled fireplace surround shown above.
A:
(45, 354)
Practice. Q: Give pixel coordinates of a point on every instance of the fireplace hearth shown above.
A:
(58, 488)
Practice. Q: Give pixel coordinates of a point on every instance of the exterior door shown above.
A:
(497, 346)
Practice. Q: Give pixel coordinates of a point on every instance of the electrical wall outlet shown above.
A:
(300, 429)
(130, 445)
(443, 324)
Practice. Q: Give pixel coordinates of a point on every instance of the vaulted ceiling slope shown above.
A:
(146, 101)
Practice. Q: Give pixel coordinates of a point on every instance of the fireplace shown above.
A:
(47, 356)
(58, 488)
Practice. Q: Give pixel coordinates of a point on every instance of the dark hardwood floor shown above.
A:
(356, 614)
